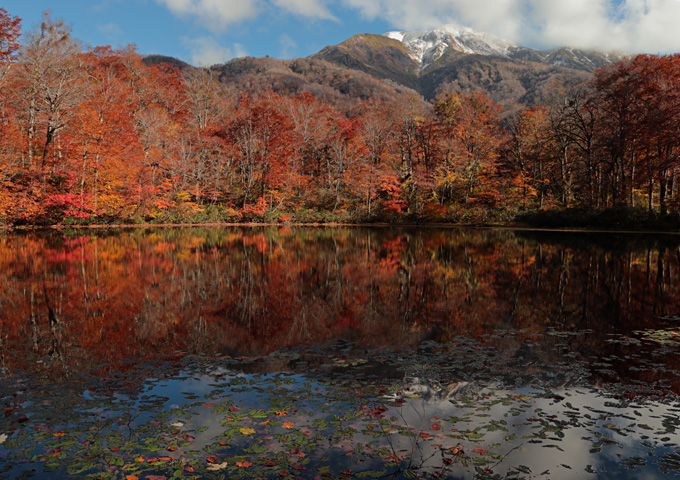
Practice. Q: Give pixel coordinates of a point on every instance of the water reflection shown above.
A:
(571, 340)
(246, 292)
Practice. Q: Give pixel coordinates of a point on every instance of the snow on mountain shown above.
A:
(428, 47)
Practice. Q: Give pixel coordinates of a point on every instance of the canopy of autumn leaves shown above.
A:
(95, 136)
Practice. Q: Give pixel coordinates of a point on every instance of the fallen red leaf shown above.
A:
(480, 450)
(211, 460)
(208, 404)
(297, 467)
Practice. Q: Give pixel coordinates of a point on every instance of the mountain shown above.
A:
(383, 67)
(427, 47)
(329, 81)
(378, 55)
(150, 60)
(455, 58)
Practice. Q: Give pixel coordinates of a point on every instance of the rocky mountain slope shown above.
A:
(457, 58)
(451, 58)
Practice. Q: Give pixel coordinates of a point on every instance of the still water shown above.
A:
(339, 353)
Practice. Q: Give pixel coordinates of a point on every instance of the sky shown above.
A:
(206, 32)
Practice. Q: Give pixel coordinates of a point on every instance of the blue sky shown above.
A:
(214, 31)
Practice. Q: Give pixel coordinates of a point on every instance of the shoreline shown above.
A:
(490, 226)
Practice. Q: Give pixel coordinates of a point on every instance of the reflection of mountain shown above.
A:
(255, 291)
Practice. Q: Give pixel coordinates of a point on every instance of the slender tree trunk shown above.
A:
(663, 188)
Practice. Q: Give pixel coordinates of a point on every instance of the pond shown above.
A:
(339, 353)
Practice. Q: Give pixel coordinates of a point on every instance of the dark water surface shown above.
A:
(339, 353)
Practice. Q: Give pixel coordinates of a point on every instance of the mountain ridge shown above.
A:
(428, 46)
(449, 59)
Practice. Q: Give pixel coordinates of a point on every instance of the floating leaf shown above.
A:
(213, 467)
(288, 424)
(247, 431)
(243, 464)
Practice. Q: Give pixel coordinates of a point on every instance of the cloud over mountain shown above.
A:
(206, 51)
(218, 15)
(628, 25)
(215, 15)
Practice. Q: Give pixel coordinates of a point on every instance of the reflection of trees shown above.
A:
(253, 291)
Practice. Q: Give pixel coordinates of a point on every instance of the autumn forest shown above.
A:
(95, 136)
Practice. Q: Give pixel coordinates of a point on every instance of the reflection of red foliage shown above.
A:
(251, 292)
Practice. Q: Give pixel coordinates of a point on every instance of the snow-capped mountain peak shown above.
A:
(428, 47)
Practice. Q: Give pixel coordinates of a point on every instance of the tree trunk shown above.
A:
(663, 188)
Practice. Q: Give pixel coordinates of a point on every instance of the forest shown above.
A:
(96, 136)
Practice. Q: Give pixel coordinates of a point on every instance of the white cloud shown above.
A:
(288, 45)
(218, 15)
(111, 30)
(206, 51)
(306, 8)
(215, 15)
(627, 25)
